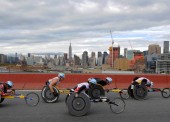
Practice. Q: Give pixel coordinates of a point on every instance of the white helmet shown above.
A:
(109, 79)
(92, 80)
(61, 75)
(10, 84)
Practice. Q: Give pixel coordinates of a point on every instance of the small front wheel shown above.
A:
(124, 94)
(32, 99)
(117, 105)
(165, 93)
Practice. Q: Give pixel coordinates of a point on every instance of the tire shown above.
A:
(124, 94)
(130, 92)
(140, 92)
(1, 99)
(32, 99)
(117, 105)
(78, 106)
(48, 96)
(67, 98)
(96, 91)
(165, 93)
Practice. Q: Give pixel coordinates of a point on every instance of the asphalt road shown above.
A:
(154, 109)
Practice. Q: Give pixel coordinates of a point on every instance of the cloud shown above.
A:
(42, 26)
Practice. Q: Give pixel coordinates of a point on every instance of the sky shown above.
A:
(41, 26)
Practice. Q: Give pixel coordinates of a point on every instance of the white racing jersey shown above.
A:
(84, 83)
(139, 80)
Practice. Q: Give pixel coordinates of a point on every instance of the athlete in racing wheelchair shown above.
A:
(138, 87)
(93, 84)
(6, 89)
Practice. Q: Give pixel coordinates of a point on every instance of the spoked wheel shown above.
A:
(67, 98)
(165, 92)
(117, 105)
(78, 106)
(130, 92)
(140, 92)
(32, 99)
(96, 91)
(1, 99)
(48, 96)
(124, 94)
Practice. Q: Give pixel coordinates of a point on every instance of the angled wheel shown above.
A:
(67, 98)
(124, 94)
(165, 92)
(140, 92)
(32, 99)
(117, 105)
(130, 92)
(96, 91)
(48, 96)
(78, 106)
(1, 99)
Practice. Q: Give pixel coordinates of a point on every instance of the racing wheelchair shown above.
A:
(79, 106)
(31, 99)
(140, 92)
(48, 97)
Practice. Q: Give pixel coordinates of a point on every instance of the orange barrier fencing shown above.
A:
(37, 81)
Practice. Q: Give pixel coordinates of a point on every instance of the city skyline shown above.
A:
(39, 26)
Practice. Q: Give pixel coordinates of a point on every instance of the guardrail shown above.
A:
(37, 81)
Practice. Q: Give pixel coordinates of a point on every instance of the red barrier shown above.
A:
(37, 81)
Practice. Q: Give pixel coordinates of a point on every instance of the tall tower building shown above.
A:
(114, 53)
(166, 47)
(125, 51)
(70, 52)
(92, 54)
(105, 54)
(154, 49)
(99, 54)
(85, 59)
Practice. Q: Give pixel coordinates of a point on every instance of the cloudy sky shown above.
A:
(50, 25)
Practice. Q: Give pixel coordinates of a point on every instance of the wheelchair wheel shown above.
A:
(130, 92)
(48, 96)
(78, 106)
(67, 98)
(96, 91)
(1, 99)
(117, 105)
(165, 93)
(32, 99)
(124, 94)
(140, 92)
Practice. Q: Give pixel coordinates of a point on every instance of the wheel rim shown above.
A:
(78, 104)
(96, 93)
(49, 94)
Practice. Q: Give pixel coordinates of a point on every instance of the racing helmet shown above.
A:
(108, 79)
(92, 80)
(61, 75)
(10, 84)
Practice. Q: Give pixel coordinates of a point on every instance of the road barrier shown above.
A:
(36, 81)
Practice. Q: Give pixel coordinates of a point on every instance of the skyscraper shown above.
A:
(166, 47)
(85, 59)
(70, 52)
(154, 49)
